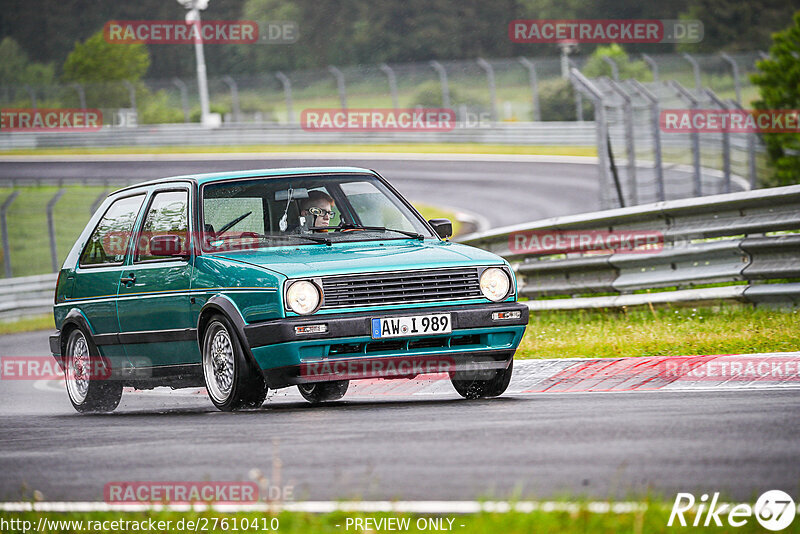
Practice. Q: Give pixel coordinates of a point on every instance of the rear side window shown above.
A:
(168, 215)
(109, 240)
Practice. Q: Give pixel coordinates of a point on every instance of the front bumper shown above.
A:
(477, 341)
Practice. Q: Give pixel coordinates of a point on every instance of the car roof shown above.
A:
(201, 179)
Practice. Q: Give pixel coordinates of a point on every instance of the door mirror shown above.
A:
(167, 245)
(442, 227)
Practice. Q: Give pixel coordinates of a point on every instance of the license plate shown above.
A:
(414, 325)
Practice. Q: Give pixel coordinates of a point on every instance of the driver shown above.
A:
(317, 209)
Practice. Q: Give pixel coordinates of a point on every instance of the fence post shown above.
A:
(686, 95)
(580, 82)
(386, 69)
(103, 194)
(698, 84)
(629, 139)
(656, 125)
(131, 93)
(237, 112)
(4, 231)
(287, 91)
(487, 67)
(439, 68)
(751, 153)
(736, 80)
(726, 143)
(81, 94)
(340, 85)
(31, 94)
(653, 66)
(614, 67)
(537, 111)
(578, 95)
(184, 98)
(51, 227)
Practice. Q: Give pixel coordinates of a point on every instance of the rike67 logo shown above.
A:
(774, 510)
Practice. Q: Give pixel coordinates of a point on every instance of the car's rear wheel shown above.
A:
(470, 387)
(324, 391)
(90, 386)
(230, 381)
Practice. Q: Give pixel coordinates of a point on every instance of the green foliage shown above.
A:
(97, 60)
(779, 85)
(155, 108)
(196, 113)
(596, 66)
(557, 98)
(16, 68)
(429, 95)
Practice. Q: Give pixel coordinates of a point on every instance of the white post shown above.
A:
(193, 16)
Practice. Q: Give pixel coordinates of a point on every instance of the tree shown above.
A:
(97, 60)
(779, 86)
(16, 68)
(596, 66)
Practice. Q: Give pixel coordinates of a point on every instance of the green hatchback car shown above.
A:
(247, 281)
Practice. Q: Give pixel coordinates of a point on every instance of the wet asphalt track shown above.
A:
(435, 447)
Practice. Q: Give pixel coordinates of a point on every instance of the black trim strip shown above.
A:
(147, 336)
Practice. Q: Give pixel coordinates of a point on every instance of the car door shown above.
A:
(153, 301)
(96, 279)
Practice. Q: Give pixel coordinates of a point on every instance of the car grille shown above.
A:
(400, 287)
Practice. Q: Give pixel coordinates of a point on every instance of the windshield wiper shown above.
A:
(351, 226)
(234, 222)
(315, 239)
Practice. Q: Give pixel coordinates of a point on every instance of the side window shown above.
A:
(168, 215)
(109, 241)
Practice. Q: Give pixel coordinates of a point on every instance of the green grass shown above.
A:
(28, 324)
(667, 331)
(426, 148)
(650, 519)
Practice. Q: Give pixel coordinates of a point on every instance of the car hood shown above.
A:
(360, 257)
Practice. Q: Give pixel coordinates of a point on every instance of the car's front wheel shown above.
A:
(230, 381)
(324, 391)
(469, 386)
(90, 386)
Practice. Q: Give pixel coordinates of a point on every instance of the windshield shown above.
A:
(313, 210)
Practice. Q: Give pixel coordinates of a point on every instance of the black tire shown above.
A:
(471, 388)
(324, 391)
(231, 382)
(95, 390)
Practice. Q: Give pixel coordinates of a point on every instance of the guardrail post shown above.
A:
(131, 93)
(340, 85)
(387, 70)
(698, 84)
(184, 98)
(81, 94)
(580, 81)
(537, 111)
(487, 67)
(287, 92)
(629, 139)
(614, 67)
(31, 94)
(656, 125)
(439, 68)
(4, 231)
(726, 143)
(578, 95)
(51, 227)
(736, 80)
(751, 153)
(237, 112)
(653, 66)
(684, 93)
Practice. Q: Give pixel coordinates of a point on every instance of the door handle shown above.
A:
(128, 279)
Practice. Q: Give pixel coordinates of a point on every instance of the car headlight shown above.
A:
(303, 297)
(495, 284)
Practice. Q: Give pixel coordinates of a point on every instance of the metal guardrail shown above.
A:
(27, 295)
(709, 240)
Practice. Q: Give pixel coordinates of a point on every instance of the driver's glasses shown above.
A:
(319, 212)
